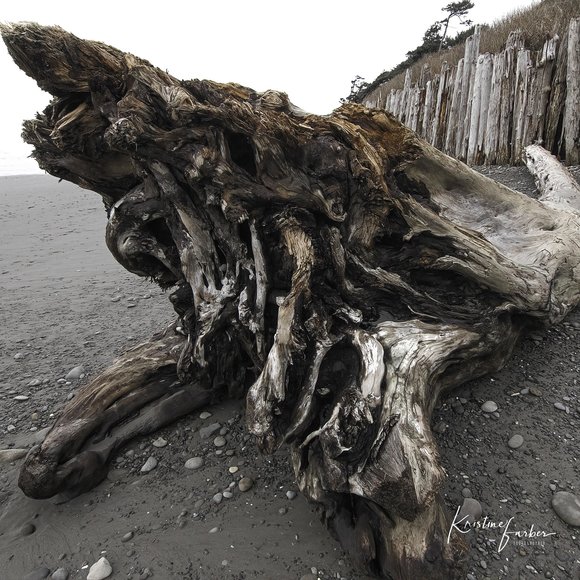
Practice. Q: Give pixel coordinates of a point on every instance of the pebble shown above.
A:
(37, 574)
(227, 494)
(10, 428)
(536, 391)
(149, 465)
(567, 507)
(59, 574)
(21, 398)
(18, 356)
(205, 415)
(560, 406)
(290, 494)
(34, 383)
(194, 463)
(115, 299)
(214, 530)
(489, 407)
(128, 536)
(553, 487)
(100, 569)
(470, 508)
(233, 469)
(483, 564)
(440, 427)
(466, 492)
(76, 373)
(8, 455)
(217, 498)
(457, 407)
(159, 442)
(516, 441)
(207, 432)
(219, 441)
(524, 391)
(245, 484)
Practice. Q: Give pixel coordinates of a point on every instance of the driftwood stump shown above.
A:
(337, 269)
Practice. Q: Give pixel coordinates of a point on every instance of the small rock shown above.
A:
(217, 498)
(76, 373)
(18, 356)
(219, 441)
(567, 507)
(470, 510)
(100, 570)
(21, 398)
(227, 494)
(34, 383)
(489, 407)
(27, 529)
(536, 391)
(440, 427)
(466, 492)
(214, 530)
(159, 442)
(115, 298)
(59, 574)
(38, 574)
(10, 428)
(524, 391)
(9, 455)
(515, 442)
(457, 407)
(283, 511)
(148, 466)
(207, 432)
(483, 564)
(553, 487)
(245, 484)
(127, 537)
(290, 494)
(560, 406)
(205, 415)
(233, 469)
(194, 463)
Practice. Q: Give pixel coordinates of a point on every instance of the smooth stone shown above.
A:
(128, 536)
(100, 570)
(536, 391)
(567, 507)
(21, 398)
(471, 510)
(149, 465)
(75, 373)
(553, 487)
(217, 498)
(59, 574)
(207, 432)
(194, 463)
(18, 356)
(290, 494)
(233, 469)
(245, 484)
(214, 530)
(159, 442)
(34, 383)
(440, 428)
(27, 529)
(489, 407)
(8, 455)
(38, 574)
(205, 415)
(524, 391)
(227, 494)
(515, 442)
(219, 441)
(466, 492)
(560, 406)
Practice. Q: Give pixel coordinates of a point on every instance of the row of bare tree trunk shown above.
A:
(489, 107)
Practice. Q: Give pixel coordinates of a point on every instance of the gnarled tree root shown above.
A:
(339, 270)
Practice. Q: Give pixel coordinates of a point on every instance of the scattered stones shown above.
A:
(159, 442)
(245, 484)
(148, 466)
(8, 455)
(21, 398)
(290, 494)
(470, 510)
(75, 373)
(194, 463)
(489, 407)
(100, 570)
(59, 574)
(38, 574)
(204, 415)
(219, 441)
(207, 432)
(515, 442)
(127, 537)
(567, 507)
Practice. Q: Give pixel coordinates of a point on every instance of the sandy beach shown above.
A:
(65, 302)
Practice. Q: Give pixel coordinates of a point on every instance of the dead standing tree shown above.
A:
(338, 269)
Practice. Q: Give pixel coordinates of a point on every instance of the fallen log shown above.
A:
(338, 270)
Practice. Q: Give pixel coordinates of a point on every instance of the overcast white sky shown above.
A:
(310, 49)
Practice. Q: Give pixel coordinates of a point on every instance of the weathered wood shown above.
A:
(338, 270)
(492, 123)
(479, 109)
(572, 104)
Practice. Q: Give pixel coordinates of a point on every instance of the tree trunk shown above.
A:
(339, 270)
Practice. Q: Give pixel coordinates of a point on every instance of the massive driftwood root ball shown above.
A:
(337, 269)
